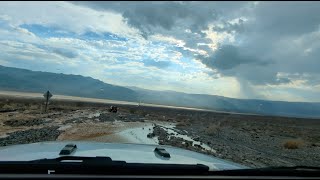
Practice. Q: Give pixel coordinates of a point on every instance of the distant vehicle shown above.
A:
(113, 109)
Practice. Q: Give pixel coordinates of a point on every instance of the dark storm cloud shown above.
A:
(227, 57)
(284, 18)
(229, 27)
(273, 40)
(149, 17)
(232, 61)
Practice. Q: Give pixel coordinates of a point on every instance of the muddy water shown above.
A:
(112, 138)
(134, 133)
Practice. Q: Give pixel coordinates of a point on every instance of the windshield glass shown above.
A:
(236, 84)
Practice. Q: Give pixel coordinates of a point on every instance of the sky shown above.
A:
(249, 50)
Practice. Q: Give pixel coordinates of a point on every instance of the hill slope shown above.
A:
(73, 85)
(282, 108)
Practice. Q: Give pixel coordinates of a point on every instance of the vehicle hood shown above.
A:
(131, 153)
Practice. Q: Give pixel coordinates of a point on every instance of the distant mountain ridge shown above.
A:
(73, 85)
(220, 103)
(15, 79)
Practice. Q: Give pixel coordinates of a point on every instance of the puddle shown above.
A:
(92, 115)
(139, 135)
(62, 128)
(172, 132)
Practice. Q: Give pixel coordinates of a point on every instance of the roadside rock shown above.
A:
(7, 110)
(315, 144)
(74, 120)
(33, 122)
(31, 136)
(151, 135)
(197, 138)
(106, 117)
(158, 131)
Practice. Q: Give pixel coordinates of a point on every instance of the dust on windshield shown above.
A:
(237, 81)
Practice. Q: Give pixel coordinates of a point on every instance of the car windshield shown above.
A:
(226, 84)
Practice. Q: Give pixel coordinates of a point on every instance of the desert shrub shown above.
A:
(80, 104)
(144, 113)
(132, 111)
(181, 124)
(182, 118)
(293, 144)
(34, 106)
(213, 129)
(8, 106)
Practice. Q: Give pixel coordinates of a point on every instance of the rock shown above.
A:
(31, 136)
(188, 143)
(7, 110)
(74, 120)
(106, 117)
(197, 138)
(16, 123)
(150, 135)
(113, 109)
(48, 119)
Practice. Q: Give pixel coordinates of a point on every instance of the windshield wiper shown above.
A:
(302, 171)
(97, 165)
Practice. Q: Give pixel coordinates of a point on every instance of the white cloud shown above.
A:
(217, 38)
(168, 39)
(123, 62)
(66, 16)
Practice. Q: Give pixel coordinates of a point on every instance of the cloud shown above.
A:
(148, 16)
(278, 19)
(271, 46)
(65, 52)
(233, 61)
(65, 16)
(267, 44)
(227, 57)
(184, 21)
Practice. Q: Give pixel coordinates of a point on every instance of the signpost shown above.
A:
(47, 95)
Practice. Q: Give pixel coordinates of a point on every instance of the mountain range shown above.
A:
(73, 85)
(15, 79)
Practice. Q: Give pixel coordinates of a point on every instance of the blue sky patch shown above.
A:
(47, 32)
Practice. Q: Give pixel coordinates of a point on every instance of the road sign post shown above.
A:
(47, 95)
